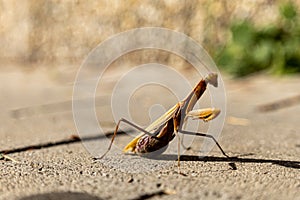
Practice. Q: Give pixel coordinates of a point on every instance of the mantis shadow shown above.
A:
(284, 163)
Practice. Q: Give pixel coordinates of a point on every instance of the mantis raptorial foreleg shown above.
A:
(205, 114)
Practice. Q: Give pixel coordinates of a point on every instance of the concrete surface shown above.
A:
(37, 109)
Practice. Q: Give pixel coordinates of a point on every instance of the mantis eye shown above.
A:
(205, 114)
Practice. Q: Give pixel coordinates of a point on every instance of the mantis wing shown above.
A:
(157, 123)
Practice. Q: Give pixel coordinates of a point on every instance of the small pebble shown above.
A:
(233, 166)
(130, 180)
(193, 174)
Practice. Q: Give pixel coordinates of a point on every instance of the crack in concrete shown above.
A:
(72, 139)
(279, 104)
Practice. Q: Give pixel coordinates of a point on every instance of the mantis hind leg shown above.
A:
(206, 135)
(116, 130)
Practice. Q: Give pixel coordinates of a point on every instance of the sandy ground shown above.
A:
(37, 109)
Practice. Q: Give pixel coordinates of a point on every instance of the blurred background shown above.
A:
(243, 37)
(43, 44)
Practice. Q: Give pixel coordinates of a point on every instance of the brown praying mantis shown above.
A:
(158, 134)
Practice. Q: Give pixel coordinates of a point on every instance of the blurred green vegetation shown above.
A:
(274, 48)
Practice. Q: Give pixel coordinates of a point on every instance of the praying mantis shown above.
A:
(158, 134)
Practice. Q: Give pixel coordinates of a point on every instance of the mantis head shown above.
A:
(212, 78)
